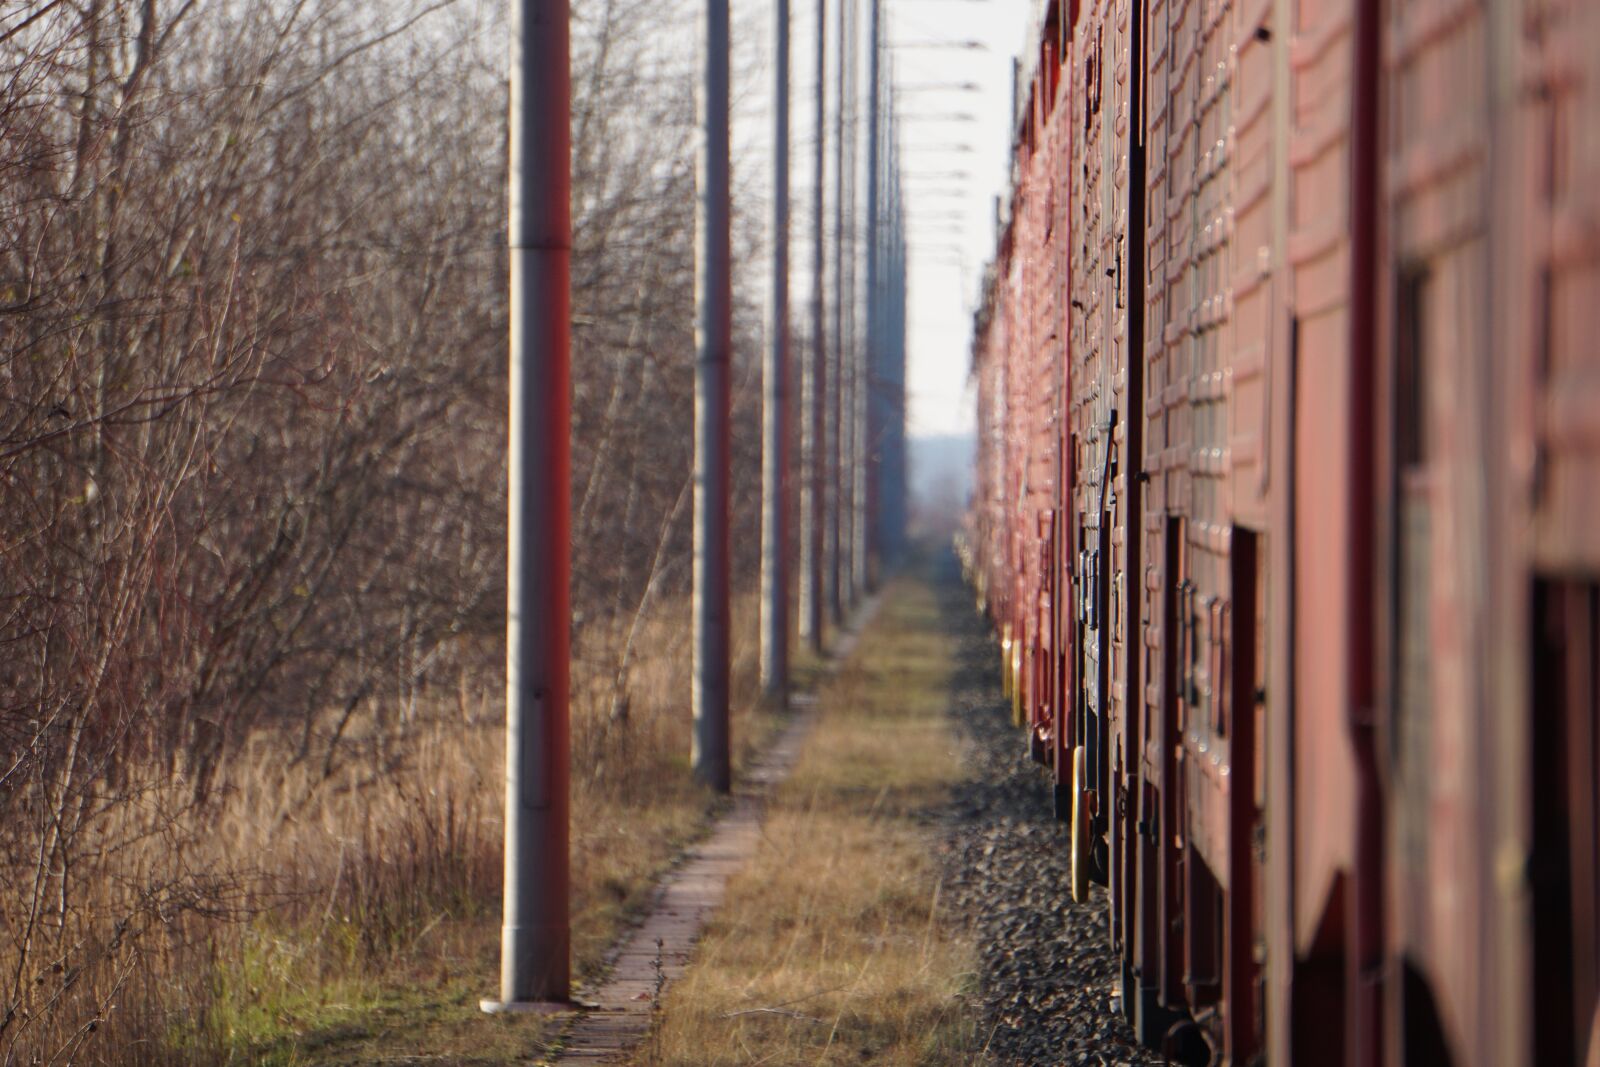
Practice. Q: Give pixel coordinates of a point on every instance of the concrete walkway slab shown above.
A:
(656, 952)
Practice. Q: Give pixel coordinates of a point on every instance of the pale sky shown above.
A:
(954, 168)
(952, 238)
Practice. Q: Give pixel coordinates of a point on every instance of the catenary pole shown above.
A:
(855, 345)
(902, 414)
(895, 475)
(830, 547)
(535, 937)
(900, 475)
(870, 375)
(885, 392)
(843, 298)
(714, 341)
(775, 396)
(814, 380)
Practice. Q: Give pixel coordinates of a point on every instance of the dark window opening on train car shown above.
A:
(1423, 1036)
(1091, 83)
(1410, 537)
(1564, 867)
(1543, 313)
(1188, 646)
(1411, 396)
(1222, 667)
(1410, 726)
(1171, 636)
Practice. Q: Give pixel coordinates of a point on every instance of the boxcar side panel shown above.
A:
(1318, 248)
(1435, 377)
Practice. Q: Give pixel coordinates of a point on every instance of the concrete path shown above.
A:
(656, 952)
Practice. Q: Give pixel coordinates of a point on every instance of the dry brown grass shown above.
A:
(832, 946)
(347, 911)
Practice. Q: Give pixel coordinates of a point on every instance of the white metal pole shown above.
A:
(775, 397)
(535, 938)
(814, 388)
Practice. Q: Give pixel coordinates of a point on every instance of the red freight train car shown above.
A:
(1289, 513)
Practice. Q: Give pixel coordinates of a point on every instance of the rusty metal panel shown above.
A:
(1211, 370)
(1545, 162)
(1435, 283)
(1562, 217)
(1048, 337)
(1318, 252)
(1157, 112)
(1063, 137)
(1089, 404)
(1122, 369)
(1157, 906)
(1249, 149)
(1038, 310)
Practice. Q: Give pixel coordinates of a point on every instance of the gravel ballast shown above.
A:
(1047, 978)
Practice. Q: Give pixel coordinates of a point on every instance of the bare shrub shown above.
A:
(252, 413)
